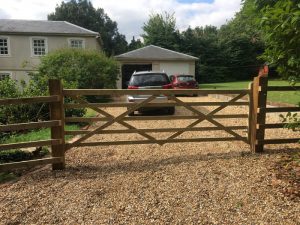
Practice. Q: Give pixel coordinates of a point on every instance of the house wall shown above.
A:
(176, 67)
(20, 61)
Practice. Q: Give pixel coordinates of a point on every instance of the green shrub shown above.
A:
(78, 69)
(24, 112)
(14, 156)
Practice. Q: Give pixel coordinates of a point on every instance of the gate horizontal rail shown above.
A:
(55, 101)
(128, 104)
(137, 118)
(122, 131)
(106, 143)
(120, 92)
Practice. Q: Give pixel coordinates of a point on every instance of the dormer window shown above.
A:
(39, 46)
(4, 46)
(76, 43)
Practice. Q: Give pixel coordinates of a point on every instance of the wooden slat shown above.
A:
(208, 118)
(279, 141)
(40, 99)
(109, 116)
(29, 163)
(29, 144)
(157, 141)
(163, 104)
(281, 109)
(76, 132)
(283, 88)
(211, 114)
(134, 118)
(114, 120)
(273, 125)
(118, 92)
(27, 126)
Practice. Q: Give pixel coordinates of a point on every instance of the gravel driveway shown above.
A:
(182, 183)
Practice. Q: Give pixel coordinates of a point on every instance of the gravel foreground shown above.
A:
(182, 183)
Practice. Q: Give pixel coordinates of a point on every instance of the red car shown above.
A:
(181, 81)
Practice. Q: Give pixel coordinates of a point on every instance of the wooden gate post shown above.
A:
(257, 114)
(58, 132)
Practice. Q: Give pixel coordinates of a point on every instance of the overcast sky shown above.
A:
(132, 14)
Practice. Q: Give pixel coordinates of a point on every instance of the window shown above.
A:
(4, 75)
(39, 46)
(4, 46)
(76, 43)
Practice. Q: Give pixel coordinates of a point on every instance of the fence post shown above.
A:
(57, 113)
(257, 117)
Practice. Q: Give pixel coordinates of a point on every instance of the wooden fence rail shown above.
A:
(56, 123)
(257, 104)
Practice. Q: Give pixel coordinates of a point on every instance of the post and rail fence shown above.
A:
(255, 138)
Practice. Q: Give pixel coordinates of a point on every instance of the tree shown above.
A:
(82, 13)
(161, 30)
(280, 25)
(241, 42)
(135, 44)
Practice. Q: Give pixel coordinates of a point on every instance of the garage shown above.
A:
(154, 58)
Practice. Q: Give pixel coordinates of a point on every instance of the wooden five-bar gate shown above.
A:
(255, 98)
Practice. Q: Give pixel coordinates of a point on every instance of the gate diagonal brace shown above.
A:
(116, 119)
(208, 118)
(123, 123)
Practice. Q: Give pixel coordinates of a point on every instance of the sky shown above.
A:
(132, 14)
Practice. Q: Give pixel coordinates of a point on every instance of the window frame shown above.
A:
(8, 46)
(32, 45)
(76, 39)
(6, 72)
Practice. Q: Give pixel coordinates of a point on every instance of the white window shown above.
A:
(4, 46)
(39, 46)
(5, 75)
(76, 43)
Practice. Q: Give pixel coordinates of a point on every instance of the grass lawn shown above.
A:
(35, 135)
(291, 97)
(42, 134)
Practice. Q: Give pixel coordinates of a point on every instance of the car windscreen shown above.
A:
(185, 78)
(149, 80)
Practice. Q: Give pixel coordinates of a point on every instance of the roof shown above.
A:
(152, 52)
(8, 26)
(148, 72)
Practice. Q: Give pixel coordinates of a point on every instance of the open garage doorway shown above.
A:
(128, 70)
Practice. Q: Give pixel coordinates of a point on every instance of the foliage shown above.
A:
(225, 54)
(7, 176)
(78, 68)
(14, 156)
(281, 24)
(34, 135)
(202, 42)
(161, 30)
(292, 120)
(17, 155)
(135, 44)
(24, 112)
(82, 13)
